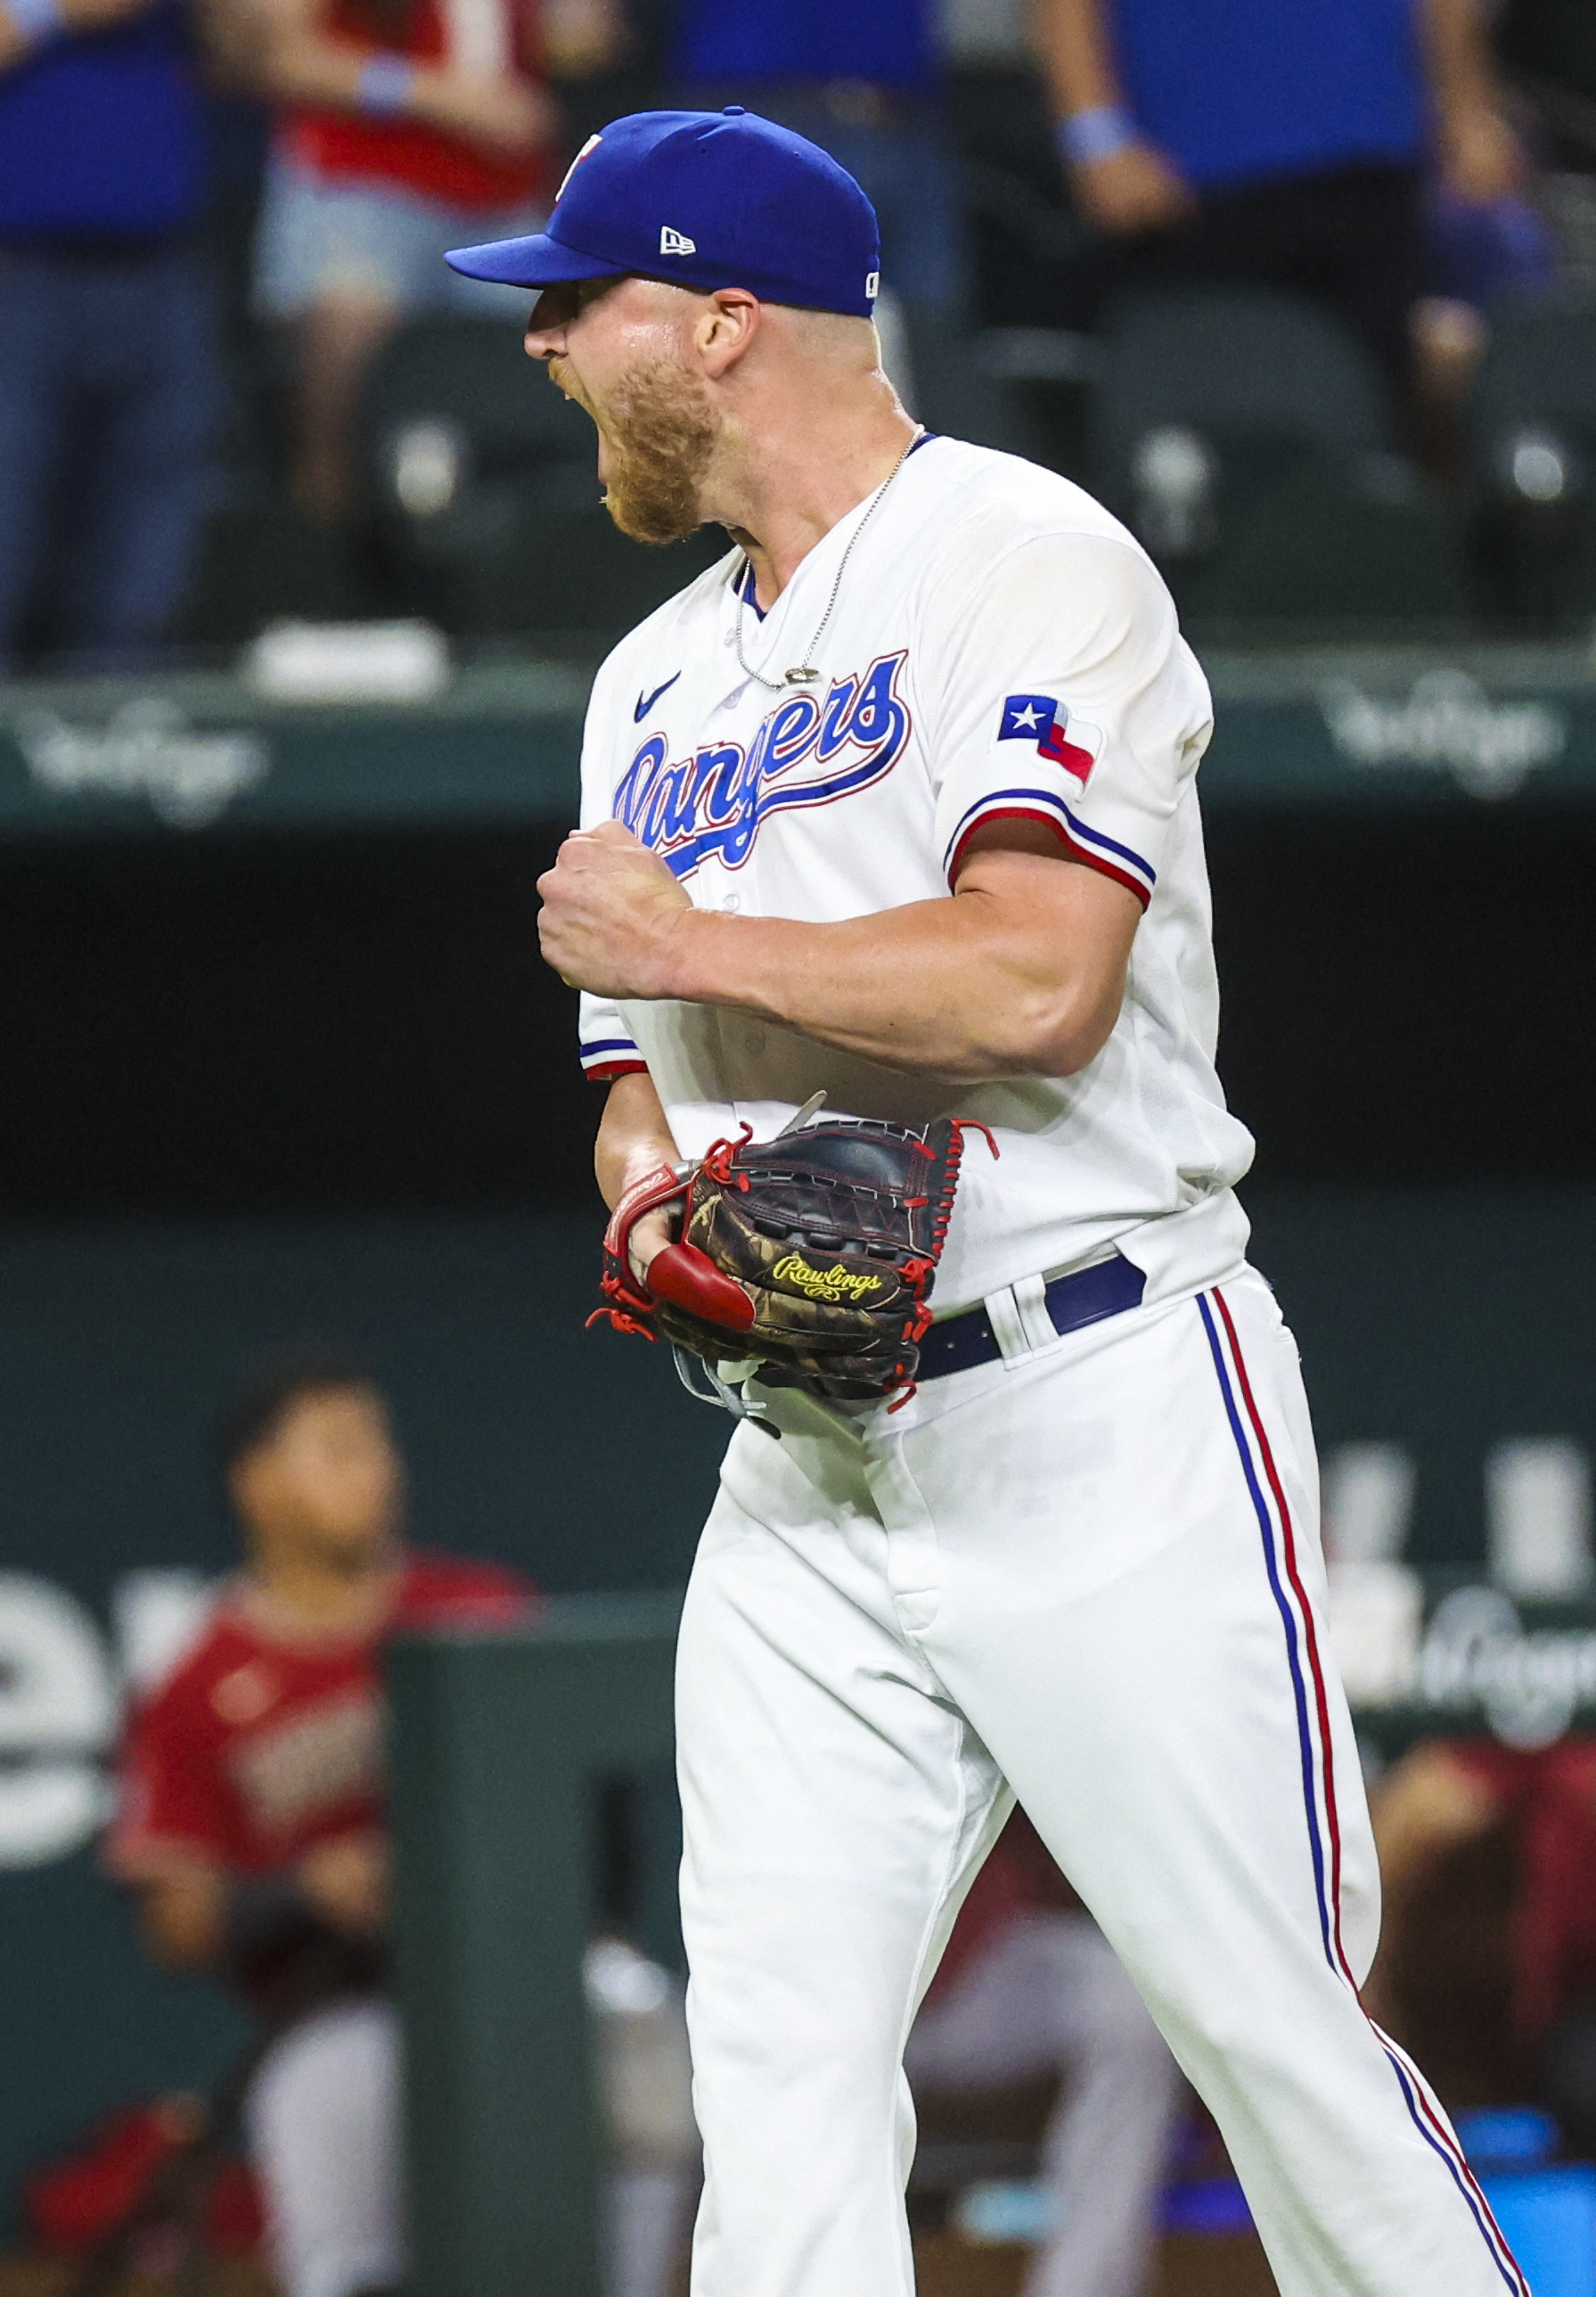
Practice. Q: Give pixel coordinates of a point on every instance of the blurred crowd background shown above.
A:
(1306, 291)
(237, 383)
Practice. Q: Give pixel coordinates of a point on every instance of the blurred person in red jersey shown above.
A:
(1030, 1986)
(1488, 1873)
(251, 1825)
(407, 127)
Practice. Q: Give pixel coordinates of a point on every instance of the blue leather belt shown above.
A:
(1106, 1289)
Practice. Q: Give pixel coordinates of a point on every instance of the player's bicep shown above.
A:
(1063, 933)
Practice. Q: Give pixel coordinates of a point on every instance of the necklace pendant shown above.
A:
(803, 677)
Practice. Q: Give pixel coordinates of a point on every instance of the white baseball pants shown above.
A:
(1048, 1995)
(323, 2120)
(1089, 1576)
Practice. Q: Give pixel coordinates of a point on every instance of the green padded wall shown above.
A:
(501, 1747)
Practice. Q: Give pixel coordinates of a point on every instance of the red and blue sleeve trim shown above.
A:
(606, 1058)
(1106, 854)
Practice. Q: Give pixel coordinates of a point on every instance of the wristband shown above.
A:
(37, 20)
(1099, 133)
(383, 87)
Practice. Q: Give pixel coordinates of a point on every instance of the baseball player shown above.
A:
(897, 804)
(250, 1822)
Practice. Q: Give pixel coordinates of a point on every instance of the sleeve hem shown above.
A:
(1081, 844)
(1106, 869)
(606, 1058)
(1000, 813)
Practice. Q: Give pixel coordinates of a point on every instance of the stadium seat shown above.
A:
(483, 500)
(1532, 464)
(952, 389)
(542, 556)
(1233, 359)
(1247, 439)
(473, 374)
(261, 560)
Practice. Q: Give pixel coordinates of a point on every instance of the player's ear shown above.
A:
(727, 326)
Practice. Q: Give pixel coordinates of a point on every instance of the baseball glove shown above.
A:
(810, 1255)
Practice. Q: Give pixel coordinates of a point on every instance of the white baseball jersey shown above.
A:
(1000, 646)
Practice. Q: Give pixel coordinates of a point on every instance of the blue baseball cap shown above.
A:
(703, 199)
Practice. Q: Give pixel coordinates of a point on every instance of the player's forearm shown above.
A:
(979, 987)
(1460, 68)
(580, 36)
(24, 29)
(295, 60)
(1072, 40)
(302, 66)
(634, 1137)
(181, 1919)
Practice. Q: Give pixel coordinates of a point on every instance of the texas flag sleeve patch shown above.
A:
(1008, 786)
(1041, 720)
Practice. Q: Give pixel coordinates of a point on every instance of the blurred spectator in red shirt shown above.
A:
(1450, 1795)
(250, 1821)
(408, 127)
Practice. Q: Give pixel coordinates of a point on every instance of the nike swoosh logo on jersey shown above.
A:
(645, 702)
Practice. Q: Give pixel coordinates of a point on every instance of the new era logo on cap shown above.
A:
(675, 242)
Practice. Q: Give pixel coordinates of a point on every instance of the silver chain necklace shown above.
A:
(803, 673)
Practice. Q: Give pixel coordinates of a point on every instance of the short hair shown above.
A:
(273, 1388)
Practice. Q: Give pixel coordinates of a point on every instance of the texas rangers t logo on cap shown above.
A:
(591, 145)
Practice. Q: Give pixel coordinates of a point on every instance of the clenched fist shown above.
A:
(612, 914)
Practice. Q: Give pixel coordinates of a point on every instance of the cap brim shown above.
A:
(536, 261)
